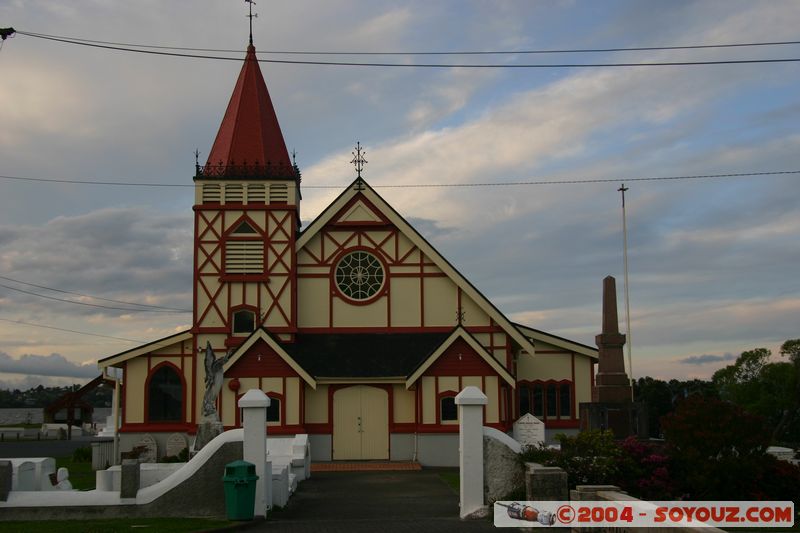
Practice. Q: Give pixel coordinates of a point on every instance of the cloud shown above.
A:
(707, 358)
(128, 254)
(46, 365)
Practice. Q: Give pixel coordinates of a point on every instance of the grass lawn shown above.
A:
(451, 478)
(81, 474)
(177, 525)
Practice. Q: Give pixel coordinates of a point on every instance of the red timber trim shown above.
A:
(122, 394)
(359, 199)
(574, 410)
(458, 360)
(275, 206)
(562, 424)
(397, 329)
(167, 427)
(452, 428)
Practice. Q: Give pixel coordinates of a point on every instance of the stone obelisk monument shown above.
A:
(612, 405)
(611, 382)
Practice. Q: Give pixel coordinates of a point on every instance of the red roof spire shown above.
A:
(249, 141)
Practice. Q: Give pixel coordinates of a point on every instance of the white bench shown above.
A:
(290, 458)
(294, 452)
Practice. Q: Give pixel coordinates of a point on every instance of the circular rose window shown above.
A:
(359, 275)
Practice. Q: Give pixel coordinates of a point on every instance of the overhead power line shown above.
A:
(95, 297)
(436, 185)
(426, 53)
(86, 304)
(69, 330)
(423, 65)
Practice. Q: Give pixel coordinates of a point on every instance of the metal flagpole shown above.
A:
(628, 339)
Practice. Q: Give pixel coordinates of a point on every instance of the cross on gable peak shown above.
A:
(358, 159)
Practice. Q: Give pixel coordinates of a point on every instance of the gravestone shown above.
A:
(175, 445)
(529, 431)
(150, 452)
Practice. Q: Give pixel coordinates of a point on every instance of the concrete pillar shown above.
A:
(470, 402)
(254, 405)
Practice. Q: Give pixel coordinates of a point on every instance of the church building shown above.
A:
(357, 329)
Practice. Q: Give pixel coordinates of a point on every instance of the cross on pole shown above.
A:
(250, 15)
(629, 342)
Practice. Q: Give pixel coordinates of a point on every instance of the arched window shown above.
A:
(447, 409)
(274, 410)
(165, 396)
(244, 322)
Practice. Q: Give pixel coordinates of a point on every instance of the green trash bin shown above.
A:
(240, 490)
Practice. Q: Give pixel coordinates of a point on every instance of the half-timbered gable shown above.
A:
(356, 327)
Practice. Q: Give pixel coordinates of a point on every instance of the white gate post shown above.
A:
(470, 402)
(254, 405)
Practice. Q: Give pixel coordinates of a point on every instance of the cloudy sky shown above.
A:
(713, 262)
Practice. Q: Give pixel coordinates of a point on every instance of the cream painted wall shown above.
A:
(544, 367)
(583, 380)
(228, 398)
(473, 315)
(440, 302)
(348, 315)
(135, 377)
(428, 400)
(403, 404)
(472, 381)
(316, 404)
(492, 408)
(448, 383)
(292, 398)
(272, 385)
(405, 297)
(312, 308)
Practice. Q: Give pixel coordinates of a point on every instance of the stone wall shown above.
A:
(502, 468)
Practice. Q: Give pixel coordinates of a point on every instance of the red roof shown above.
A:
(249, 133)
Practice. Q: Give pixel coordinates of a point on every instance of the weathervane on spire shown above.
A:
(250, 16)
(358, 159)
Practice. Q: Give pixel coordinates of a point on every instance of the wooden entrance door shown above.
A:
(360, 423)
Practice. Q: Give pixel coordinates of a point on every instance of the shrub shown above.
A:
(717, 448)
(645, 470)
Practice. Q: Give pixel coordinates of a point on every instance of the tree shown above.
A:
(771, 390)
(717, 448)
(789, 422)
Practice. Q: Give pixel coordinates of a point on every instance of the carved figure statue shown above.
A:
(213, 381)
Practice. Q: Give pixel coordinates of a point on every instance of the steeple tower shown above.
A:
(247, 214)
(249, 141)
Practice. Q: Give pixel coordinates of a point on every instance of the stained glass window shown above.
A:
(359, 275)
